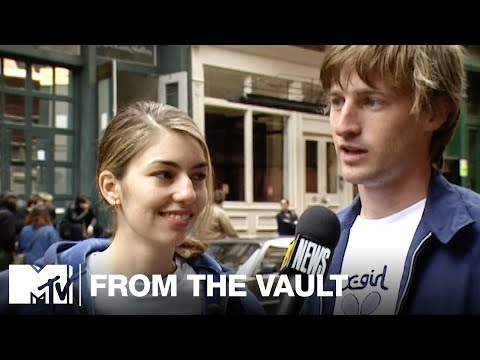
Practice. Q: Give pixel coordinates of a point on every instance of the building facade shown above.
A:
(260, 108)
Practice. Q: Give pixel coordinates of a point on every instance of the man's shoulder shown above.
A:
(468, 195)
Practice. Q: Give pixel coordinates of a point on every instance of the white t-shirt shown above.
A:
(374, 262)
(182, 304)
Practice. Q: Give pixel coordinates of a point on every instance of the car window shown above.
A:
(247, 267)
(272, 260)
(232, 255)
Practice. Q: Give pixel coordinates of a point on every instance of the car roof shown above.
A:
(281, 241)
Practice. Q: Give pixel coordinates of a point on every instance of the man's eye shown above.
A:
(336, 102)
(373, 102)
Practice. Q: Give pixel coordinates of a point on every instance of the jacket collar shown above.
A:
(445, 211)
(207, 265)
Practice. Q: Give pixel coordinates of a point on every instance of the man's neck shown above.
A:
(379, 201)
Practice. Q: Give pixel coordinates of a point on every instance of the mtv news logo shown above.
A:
(306, 257)
(31, 284)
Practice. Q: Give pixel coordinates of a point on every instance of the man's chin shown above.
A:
(354, 179)
(357, 178)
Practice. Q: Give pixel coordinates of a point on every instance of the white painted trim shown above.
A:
(248, 155)
(208, 101)
(229, 57)
(114, 87)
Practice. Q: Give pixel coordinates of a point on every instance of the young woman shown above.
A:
(154, 171)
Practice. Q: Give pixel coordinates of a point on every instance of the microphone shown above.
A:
(310, 253)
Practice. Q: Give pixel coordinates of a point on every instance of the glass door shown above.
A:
(14, 160)
(27, 160)
(42, 161)
(106, 94)
(323, 185)
(118, 86)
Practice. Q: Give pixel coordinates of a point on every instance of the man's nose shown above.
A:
(346, 121)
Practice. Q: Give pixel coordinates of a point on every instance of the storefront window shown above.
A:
(311, 157)
(332, 169)
(36, 127)
(268, 142)
(224, 132)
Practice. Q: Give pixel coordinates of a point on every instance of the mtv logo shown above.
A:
(31, 284)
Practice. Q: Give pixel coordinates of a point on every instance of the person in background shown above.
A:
(23, 213)
(286, 219)
(37, 235)
(79, 221)
(410, 241)
(220, 226)
(155, 174)
(47, 199)
(7, 231)
(11, 201)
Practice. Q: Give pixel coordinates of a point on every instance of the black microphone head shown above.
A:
(316, 236)
(320, 225)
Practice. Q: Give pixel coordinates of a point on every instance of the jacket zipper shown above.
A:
(410, 272)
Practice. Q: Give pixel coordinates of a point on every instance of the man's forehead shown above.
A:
(350, 80)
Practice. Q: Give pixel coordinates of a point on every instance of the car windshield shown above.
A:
(232, 254)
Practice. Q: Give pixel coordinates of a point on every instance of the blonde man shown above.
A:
(410, 241)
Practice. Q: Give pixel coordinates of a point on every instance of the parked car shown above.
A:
(251, 257)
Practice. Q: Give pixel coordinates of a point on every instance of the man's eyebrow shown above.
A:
(360, 92)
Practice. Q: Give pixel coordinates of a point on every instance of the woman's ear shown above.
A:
(109, 187)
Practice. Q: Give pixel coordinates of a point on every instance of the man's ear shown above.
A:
(439, 115)
(109, 187)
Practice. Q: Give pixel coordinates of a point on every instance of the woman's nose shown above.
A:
(184, 190)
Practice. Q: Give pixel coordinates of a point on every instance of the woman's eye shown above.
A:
(199, 177)
(164, 175)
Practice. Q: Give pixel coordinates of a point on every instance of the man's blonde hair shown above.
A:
(430, 73)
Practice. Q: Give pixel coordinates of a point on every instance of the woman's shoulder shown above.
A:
(238, 305)
(204, 263)
(27, 229)
(49, 228)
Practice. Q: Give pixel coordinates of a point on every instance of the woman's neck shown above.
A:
(127, 257)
